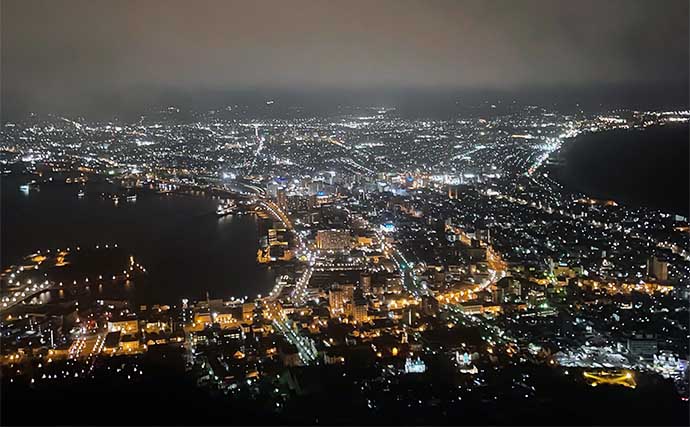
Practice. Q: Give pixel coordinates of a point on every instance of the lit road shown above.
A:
(259, 147)
(496, 266)
(409, 281)
(306, 352)
(277, 289)
(95, 351)
(299, 295)
(276, 212)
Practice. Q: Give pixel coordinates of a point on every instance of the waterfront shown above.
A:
(186, 249)
(393, 285)
(646, 168)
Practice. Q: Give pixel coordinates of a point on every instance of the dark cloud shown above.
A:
(57, 52)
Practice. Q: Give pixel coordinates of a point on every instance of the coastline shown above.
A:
(645, 168)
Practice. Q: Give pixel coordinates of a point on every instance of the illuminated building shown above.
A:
(297, 203)
(463, 359)
(453, 191)
(202, 319)
(394, 284)
(276, 236)
(360, 313)
(130, 344)
(62, 351)
(388, 227)
(263, 255)
(272, 189)
(461, 294)
(156, 326)
(225, 320)
(156, 339)
(483, 235)
(335, 240)
(365, 282)
(657, 268)
(333, 357)
(281, 198)
(498, 294)
(567, 271)
(338, 296)
(126, 324)
(358, 307)
(429, 305)
(471, 307)
(535, 298)
(644, 346)
(364, 241)
(492, 309)
(248, 312)
(416, 366)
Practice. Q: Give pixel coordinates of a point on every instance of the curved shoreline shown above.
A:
(637, 167)
(157, 230)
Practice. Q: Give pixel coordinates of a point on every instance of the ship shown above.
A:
(24, 188)
(226, 207)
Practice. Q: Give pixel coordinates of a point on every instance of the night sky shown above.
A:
(65, 52)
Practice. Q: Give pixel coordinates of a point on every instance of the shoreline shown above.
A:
(175, 223)
(638, 168)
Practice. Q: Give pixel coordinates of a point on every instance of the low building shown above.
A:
(643, 346)
(125, 323)
(333, 240)
(130, 344)
(112, 343)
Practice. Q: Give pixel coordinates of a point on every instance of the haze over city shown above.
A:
(100, 54)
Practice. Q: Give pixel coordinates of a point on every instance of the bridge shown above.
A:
(276, 212)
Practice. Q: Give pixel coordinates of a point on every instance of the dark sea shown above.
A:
(186, 249)
(641, 168)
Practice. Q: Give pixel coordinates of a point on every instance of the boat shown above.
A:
(226, 207)
(131, 198)
(80, 194)
(26, 187)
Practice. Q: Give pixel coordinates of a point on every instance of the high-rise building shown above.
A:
(453, 191)
(365, 282)
(281, 198)
(657, 268)
(483, 235)
(408, 316)
(338, 297)
(297, 203)
(430, 305)
(504, 288)
(272, 189)
(358, 307)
